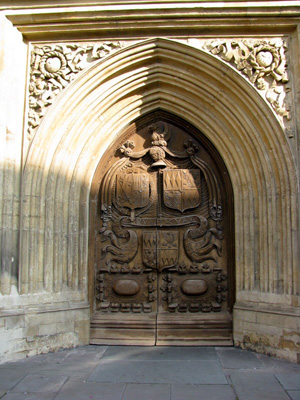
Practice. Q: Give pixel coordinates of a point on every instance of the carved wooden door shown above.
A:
(163, 245)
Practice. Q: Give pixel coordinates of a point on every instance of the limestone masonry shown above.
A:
(149, 175)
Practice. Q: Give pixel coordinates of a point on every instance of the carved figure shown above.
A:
(159, 142)
(158, 155)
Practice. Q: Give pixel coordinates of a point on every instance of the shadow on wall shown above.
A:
(91, 115)
(93, 112)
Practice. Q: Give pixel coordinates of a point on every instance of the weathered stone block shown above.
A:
(280, 320)
(15, 321)
(50, 317)
(67, 326)
(49, 329)
(250, 316)
(82, 328)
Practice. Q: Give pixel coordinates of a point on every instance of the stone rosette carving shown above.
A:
(264, 64)
(52, 68)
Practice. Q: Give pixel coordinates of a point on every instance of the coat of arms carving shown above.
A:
(182, 189)
(160, 249)
(132, 190)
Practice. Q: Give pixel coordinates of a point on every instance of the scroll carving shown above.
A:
(120, 250)
(198, 243)
(263, 62)
(52, 68)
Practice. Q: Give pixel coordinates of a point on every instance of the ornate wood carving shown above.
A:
(163, 246)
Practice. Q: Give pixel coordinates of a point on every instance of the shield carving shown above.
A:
(160, 249)
(150, 249)
(167, 251)
(182, 188)
(132, 190)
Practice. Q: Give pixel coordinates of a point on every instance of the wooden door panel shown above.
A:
(163, 243)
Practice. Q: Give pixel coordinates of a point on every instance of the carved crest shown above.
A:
(150, 249)
(182, 189)
(162, 228)
(167, 252)
(132, 190)
(160, 249)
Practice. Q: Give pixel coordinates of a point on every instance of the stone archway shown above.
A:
(91, 114)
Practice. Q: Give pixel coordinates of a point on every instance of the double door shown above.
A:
(162, 273)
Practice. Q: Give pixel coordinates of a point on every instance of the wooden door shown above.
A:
(164, 241)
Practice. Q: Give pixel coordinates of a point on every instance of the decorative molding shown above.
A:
(263, 62)
(57, 182)
(52, 68)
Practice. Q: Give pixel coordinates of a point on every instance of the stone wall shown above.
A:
(57, 121)
(28, 332)
(270, 330)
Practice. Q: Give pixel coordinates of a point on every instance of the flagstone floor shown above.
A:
(150, 373)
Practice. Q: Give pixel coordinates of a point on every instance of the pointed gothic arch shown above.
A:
(94, 110)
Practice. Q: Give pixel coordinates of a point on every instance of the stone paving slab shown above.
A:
(146, 391)
(294, 394)
(257, 385)
(239, 359)
(289, 381)
(285, 366)
(29, 396)
(160, 353)
(85, 356)
(144, 373)
(35, 361)
(75, 371)
(202, 392)
(10, 377)
(195, 372)
(40, 384)
(91, 390)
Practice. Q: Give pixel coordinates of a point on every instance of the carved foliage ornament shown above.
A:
(53, 67)
(264, 63)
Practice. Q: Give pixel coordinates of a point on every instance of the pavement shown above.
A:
(150, 373)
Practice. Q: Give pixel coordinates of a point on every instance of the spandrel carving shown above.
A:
(52, 68)
(264, 63)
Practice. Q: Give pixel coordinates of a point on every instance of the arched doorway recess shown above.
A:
(164, 238)
(94, 111)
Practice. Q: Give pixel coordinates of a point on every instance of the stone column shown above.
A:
(12, 88)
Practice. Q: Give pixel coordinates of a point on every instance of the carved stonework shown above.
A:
(52, 68)
(264, 64)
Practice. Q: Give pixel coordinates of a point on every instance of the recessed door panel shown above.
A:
(163, 243)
